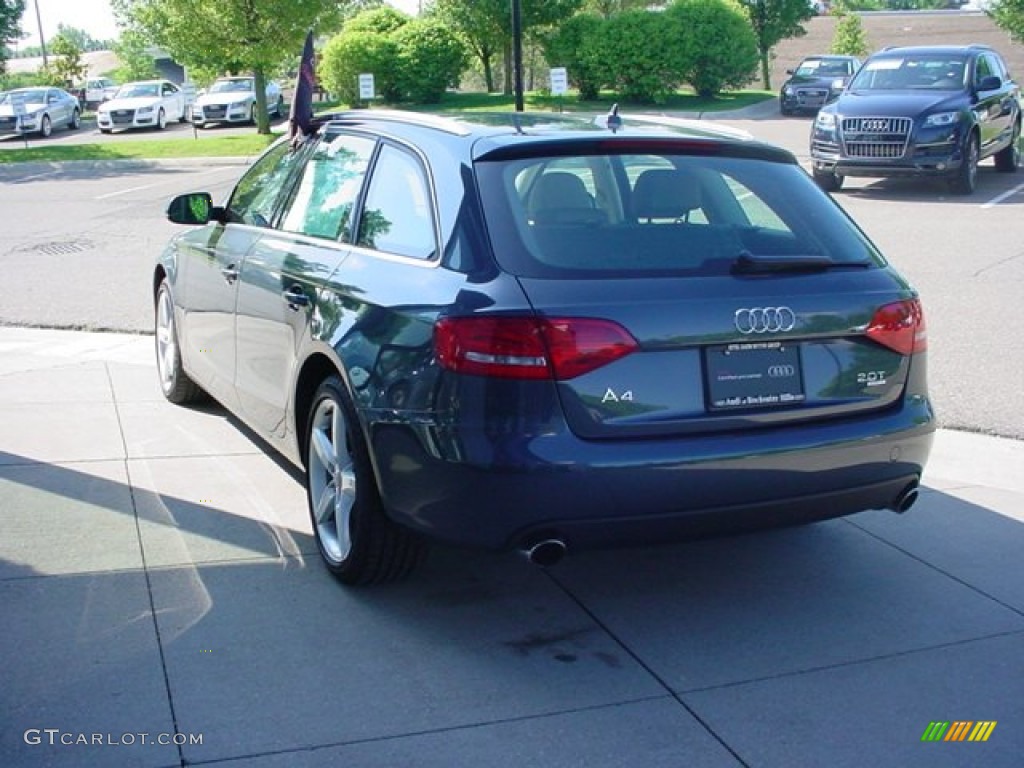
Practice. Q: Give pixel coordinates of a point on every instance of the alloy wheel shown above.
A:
(332, 480)
(166, 342)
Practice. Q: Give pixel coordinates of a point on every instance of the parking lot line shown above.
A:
(999, 198)
(129, 190)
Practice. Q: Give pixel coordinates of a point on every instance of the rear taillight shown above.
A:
(529, 348)
(900, 326)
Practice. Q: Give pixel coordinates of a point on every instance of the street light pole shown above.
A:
(517, 54)
(42, 40)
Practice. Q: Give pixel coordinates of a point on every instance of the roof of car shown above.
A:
(534, 123)
(940, 50)
(496, 131)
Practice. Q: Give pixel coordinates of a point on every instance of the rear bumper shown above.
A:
(505, 491)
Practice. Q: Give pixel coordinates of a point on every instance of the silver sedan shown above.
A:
(38, 110)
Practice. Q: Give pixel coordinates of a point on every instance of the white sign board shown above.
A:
(188, 91)
(18, 104)
(559, 81)
(366, 87)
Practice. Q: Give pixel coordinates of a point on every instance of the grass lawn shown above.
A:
(249, 145)
(156, 149)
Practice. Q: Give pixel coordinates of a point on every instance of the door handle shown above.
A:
(295, 297)
(230, 273)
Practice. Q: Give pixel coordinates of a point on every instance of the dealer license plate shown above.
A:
(753, 375)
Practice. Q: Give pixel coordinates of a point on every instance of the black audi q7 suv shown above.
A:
(815, 82)
(921, 111)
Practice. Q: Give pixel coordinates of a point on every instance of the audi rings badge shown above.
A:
(783, 371)
(764, 320)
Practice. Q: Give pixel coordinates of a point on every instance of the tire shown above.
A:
(76, 121)
(161, 120)
(784, 110)
(358, 543)
(45, 126)
(174, 382)
(828, 180)
(965, 180)
(1008, 158)
(105, 130)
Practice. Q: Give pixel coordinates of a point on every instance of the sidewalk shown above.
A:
(158, 576)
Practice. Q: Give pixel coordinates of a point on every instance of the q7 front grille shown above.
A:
(879, 137)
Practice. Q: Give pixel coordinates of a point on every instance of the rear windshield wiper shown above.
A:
(747, 263)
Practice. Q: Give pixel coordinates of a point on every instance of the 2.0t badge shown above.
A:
(764, 320)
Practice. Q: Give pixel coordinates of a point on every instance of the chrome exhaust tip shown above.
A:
(545, 552)
(906, 498)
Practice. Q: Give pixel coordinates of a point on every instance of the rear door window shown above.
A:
(397, 216)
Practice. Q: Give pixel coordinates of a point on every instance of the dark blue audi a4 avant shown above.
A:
(546, 333)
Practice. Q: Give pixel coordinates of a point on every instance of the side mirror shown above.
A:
(990, 83)
(194, 208)
(789, 71)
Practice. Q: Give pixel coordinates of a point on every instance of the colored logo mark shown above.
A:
(959, 730)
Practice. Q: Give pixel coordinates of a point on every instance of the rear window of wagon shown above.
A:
(643, 214)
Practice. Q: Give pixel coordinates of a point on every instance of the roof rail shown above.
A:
(357, 116)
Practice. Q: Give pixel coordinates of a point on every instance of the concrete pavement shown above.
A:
(162, 604)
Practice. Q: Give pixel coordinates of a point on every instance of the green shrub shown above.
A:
(350, 54)
(431, 59)
(575, 45)
(639, 56)
(716, 43)
(383, 20)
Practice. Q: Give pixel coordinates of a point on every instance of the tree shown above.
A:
(486, 26)
(67, 65)
(478, 24)
(79, 37)
(132, 51)
(10, 26)
(849, 38)
(1009, 16)
(235, 36)
(774, 21)
(608, 8)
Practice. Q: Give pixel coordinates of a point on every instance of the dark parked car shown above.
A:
(817, 81)
(921, 111)
(533, 332)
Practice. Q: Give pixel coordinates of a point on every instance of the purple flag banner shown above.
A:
(300, 117)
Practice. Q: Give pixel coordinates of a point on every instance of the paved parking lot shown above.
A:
(158, 577)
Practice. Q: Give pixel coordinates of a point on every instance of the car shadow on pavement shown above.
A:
(26, 173)
(144, 601)
(991, 184)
